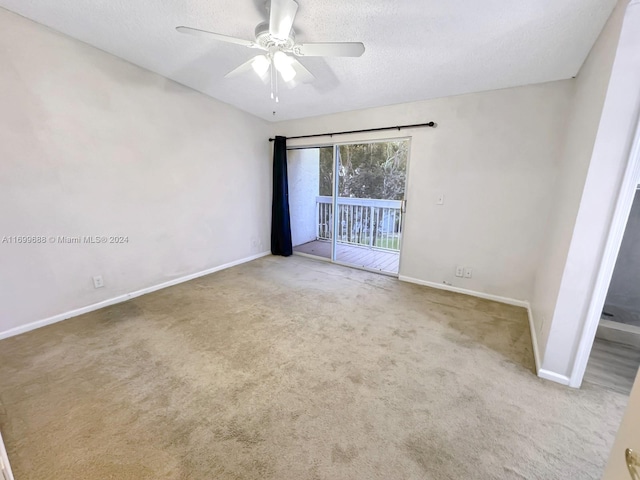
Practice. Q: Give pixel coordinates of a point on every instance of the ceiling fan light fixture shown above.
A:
(288, 73)
(283, 62)
(260, 65)
(281, 16)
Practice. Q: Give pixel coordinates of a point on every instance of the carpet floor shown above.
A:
(296, 369)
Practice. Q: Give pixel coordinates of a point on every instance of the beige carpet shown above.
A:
(295, 369)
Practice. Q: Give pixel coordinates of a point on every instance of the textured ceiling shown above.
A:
(416, 49)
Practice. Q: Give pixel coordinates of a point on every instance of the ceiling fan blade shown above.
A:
(245, 67)
(335, 49)
(216, 36)
(302, 74)
(281, 16)
(249, 66)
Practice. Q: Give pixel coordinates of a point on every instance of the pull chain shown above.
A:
(271, 78)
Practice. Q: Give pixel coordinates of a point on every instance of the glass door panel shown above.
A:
(310, 173)
(371, 190)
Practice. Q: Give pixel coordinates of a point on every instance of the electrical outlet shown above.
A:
(98, 282)
(459, 271)
(467, 273)
(256, 242)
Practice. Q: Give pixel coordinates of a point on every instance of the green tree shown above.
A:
(366, 170)
(326, 171)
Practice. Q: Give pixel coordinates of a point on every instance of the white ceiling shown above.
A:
(416, 49)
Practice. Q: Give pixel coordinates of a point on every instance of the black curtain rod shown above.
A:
(399, 127)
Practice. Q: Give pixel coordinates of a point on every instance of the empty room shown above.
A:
(317, 239)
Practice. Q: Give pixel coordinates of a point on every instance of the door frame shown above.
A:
(4, 461)
(629, 38)
(624, 202)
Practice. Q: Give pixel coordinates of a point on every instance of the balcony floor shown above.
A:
(359, 256)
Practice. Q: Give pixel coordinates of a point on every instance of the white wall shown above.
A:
(606, 165)
(92, 145)
(303, 168)
(494, 157)
(586, 109)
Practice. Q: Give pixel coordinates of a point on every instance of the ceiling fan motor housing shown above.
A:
(267, 41)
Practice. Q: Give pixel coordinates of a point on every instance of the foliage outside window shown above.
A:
(367, 170)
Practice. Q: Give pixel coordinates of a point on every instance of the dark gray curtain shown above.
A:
(280, 219)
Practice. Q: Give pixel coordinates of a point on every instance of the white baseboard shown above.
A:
(534, 340)
(543, 373)
(554, 377)
(123, 298)
(619, 333)
(508, 301)
(622, 327)
(473, 293)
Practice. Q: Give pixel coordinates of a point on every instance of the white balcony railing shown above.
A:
(361, 221)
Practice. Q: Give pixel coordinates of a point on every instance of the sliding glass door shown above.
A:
(364, 184)
(371, 191)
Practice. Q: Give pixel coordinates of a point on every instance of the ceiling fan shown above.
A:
(277, 39)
